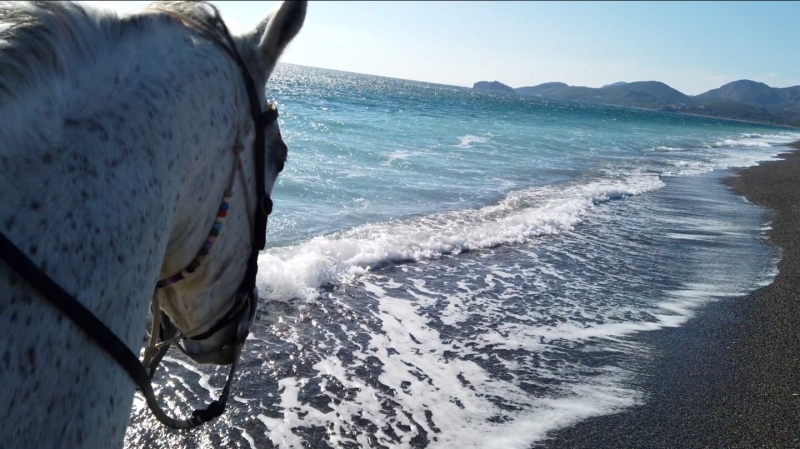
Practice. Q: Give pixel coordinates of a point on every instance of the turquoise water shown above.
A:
(382, 170)
(449, 268)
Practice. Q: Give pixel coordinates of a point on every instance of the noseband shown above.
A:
(244, 309)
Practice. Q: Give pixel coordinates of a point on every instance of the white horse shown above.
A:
(119, 138)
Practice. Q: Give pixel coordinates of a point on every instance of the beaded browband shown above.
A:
(206, 248)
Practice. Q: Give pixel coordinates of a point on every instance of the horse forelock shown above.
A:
(200, 12)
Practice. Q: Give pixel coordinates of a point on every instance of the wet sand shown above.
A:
(730, 377)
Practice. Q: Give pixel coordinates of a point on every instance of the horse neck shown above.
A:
(100, 171)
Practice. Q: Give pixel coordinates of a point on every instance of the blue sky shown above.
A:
(693, 47)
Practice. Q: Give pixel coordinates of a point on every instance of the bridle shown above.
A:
(243, 310)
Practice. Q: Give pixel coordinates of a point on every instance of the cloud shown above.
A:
(773, 75)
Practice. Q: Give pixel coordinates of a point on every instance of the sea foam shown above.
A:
(299, 270)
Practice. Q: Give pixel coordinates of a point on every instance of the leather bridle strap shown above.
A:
(106, 339)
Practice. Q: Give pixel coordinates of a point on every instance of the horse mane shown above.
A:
(42, 38)
(38, 39)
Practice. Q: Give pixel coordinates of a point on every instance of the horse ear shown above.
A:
(266, 43)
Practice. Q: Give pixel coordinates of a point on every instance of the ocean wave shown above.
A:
(760, 140)
(469, 139)
(299, 270)
(397, 155)
(742, 143)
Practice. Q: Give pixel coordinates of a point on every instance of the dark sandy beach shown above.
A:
(730, 377)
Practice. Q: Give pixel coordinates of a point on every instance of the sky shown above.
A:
(691, 46)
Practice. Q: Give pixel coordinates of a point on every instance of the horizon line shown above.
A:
(515, 88)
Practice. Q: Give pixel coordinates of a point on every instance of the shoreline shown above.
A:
(730, 379)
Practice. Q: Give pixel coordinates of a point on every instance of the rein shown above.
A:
(244, 309)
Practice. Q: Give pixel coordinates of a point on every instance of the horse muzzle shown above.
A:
(221, 345)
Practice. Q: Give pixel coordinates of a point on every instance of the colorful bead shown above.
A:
(224, 207)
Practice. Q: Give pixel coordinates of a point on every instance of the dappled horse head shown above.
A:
(137, 155)
(199, 292)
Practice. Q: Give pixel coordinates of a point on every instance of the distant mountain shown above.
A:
(641, 94)
(745, 91)
(741, 100)
(493, 86)
(781, 102)
(540, 89)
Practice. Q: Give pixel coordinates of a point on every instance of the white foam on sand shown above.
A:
(458, 395)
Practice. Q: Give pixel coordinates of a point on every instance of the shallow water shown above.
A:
(449, 268)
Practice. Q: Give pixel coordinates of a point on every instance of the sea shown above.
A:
(448, 268)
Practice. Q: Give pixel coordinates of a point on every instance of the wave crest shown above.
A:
(299, 270)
